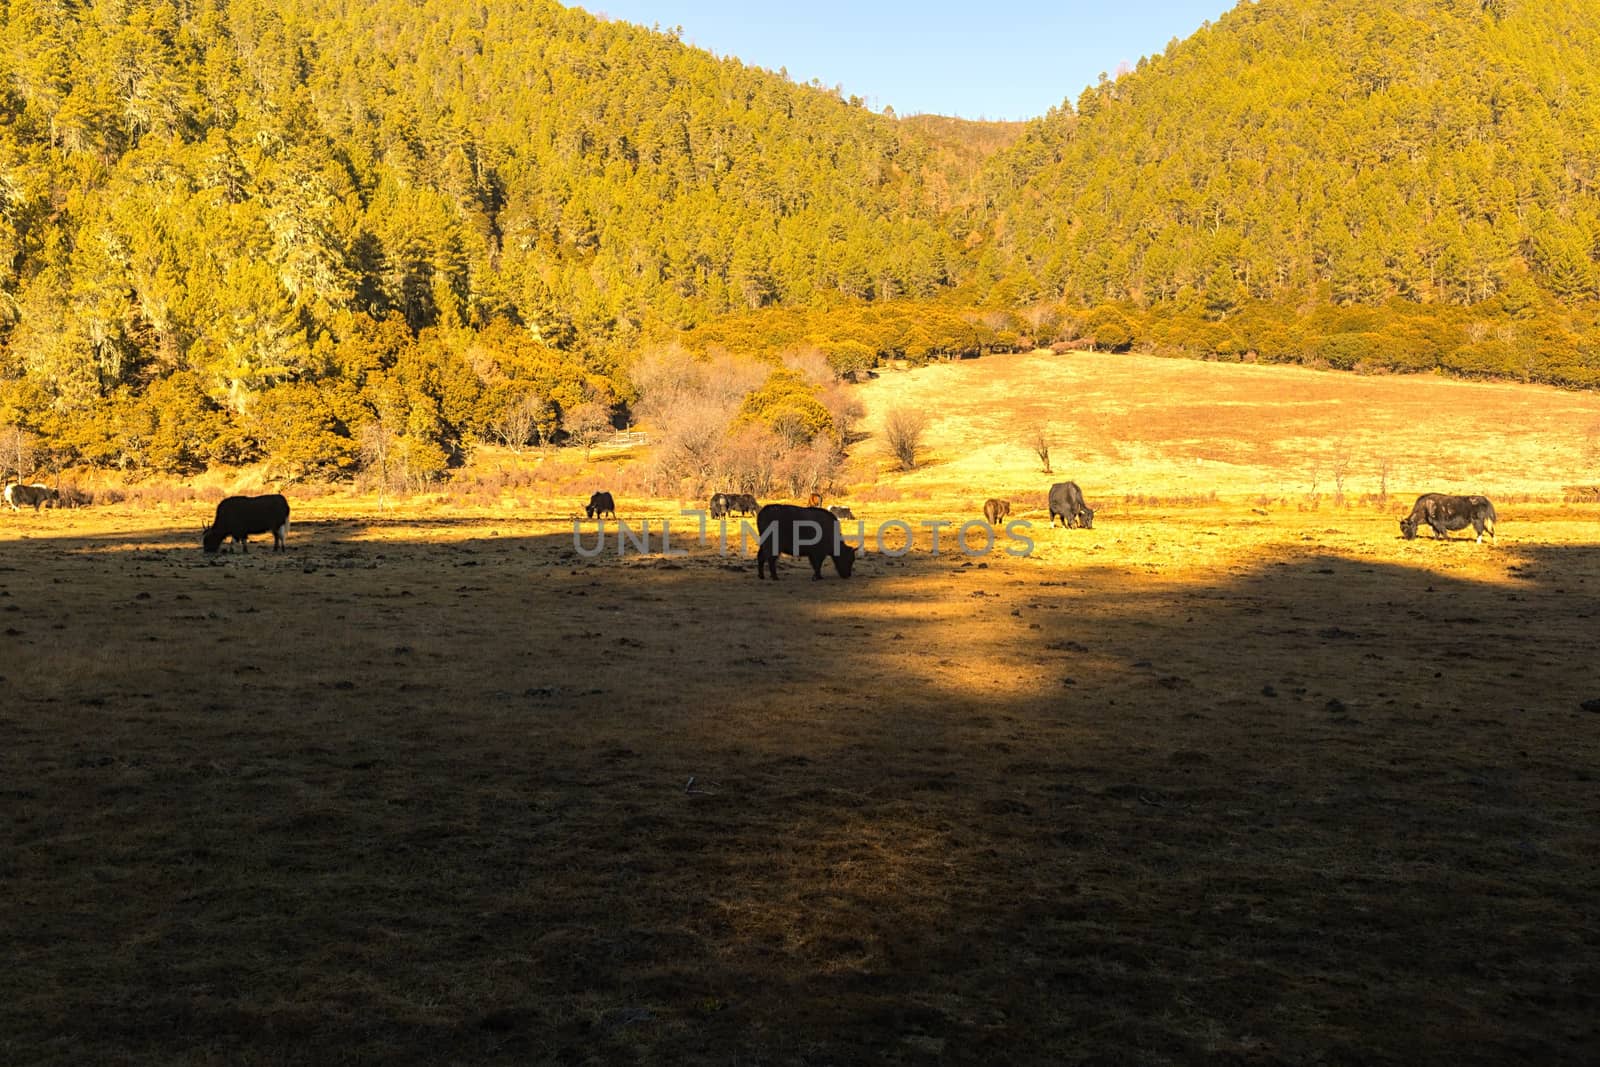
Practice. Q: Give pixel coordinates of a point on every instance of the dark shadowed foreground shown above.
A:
(430, 795)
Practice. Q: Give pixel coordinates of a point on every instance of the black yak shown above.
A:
(240, 516)
(787, 529)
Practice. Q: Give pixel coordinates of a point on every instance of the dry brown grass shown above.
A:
(1212, 782)
(1142, 425)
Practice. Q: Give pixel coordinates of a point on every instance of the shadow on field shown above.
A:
(1318, 810)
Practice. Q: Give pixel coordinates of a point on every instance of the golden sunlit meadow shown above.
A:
(1246, 779)
(1140, 425)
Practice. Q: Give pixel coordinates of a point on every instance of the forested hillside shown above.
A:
(309, 231)
(1302, 153)
(214, 202)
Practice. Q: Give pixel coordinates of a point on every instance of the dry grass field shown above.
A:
(1244, 780)
(1142, 425)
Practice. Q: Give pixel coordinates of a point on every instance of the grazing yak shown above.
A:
(34, 496)
(725, 504)
(810, 532)
(601, 504)
(995, 511)
(1066, 500)
(842, 512)
(240, 516)
(1444, 513)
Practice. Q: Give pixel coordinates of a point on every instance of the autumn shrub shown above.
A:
(113, 435)
(1490, 356)
(903, 429)
(848, 359)
(1110, 328)
(788, 405)
(191, 431)
(421, 450)
(1274, 342)
(1343, 350)
(300, 434)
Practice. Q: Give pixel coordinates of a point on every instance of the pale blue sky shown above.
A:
(1004, 59)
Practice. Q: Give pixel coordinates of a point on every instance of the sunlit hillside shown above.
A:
(1363, 149)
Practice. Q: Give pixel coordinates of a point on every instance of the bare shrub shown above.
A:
(692, 406)
(587, 424)
(18, 452)
(157, 494)
(663, 373)
(1038, 438)
(878, 494)
(748, 461)
(666, 376)
(1340, 468)
(846, 409)
(73, 497)
(381, 467)
(731, 378)
(486, 485)
(811, 363)
(519, 426)
(807, 469)
(903, 430)
(689, 440)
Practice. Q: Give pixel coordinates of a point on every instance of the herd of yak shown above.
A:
(808, 531)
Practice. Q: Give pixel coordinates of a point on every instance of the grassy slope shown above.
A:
(1127, 424)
